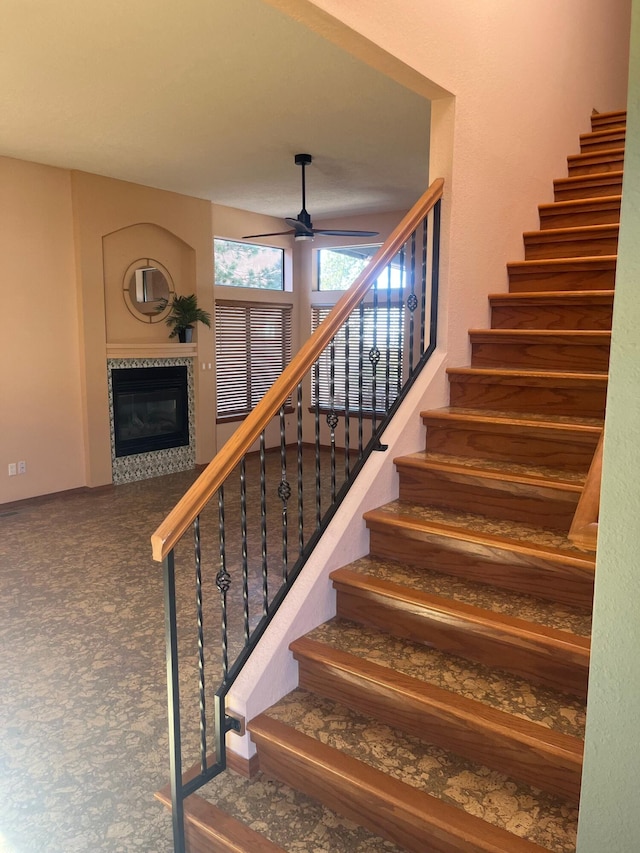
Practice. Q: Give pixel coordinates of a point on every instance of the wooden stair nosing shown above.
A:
(595, 179)
(551, 235)
(609, 117)
(563, 337)
(508, 421)
(521, 376)
(535, 754)
(208, 829)
(561, 265)
(593, 162)
(555, 658)
(394, 810)
(555, 297)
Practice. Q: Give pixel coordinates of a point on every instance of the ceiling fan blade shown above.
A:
(272, 234)
(298, 226)
(332, 232)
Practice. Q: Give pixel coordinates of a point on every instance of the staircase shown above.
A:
(443, 708)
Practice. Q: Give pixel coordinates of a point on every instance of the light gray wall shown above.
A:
(610, 808)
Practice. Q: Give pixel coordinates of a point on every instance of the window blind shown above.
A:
(253, 346)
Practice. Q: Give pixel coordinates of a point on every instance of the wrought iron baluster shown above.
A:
(332, 417)
(401, 318)
(374, 357)
(316, 378)
(360, 377)
(263, 527)
(223, 582)
(300, 473)
(197, 553)
(423, 285)
(243, 535)
(173, 701)
(284, 493)
(412, 299)
(387, 368)
(435, 273)
(347, 461)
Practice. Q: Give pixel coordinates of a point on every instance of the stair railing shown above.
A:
(252, 510)
(584, 527)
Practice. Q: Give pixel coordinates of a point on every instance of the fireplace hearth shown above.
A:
(150, 409)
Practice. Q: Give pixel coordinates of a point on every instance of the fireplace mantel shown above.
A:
(163, 350)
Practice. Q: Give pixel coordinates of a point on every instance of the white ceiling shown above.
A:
(211, 98)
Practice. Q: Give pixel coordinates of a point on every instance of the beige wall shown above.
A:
(40, 404)
(609, 807)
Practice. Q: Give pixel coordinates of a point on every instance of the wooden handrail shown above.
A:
(195, 499)
(584, 527)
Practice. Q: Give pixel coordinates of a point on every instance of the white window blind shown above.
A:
(382, 329)
(253, 346)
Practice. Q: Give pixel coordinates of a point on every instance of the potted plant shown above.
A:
(183, 316)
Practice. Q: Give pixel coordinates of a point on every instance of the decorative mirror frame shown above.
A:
(128, 282)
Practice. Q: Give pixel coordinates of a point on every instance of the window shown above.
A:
(381, 329)
(248, 265)
(253, 346)
(339, 267)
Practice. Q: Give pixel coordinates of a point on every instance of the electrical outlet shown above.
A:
(22, 467)
(12, 469)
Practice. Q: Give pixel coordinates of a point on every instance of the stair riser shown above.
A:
(572, 585)
(547, 507)
(587, 187)
(576, 317)
(540, 356)
(580, 402)
(545, 665)
(538, 281)
(537, 250)
(596, 163)
(609, 121)
(548, 447)
(602, 214)
(610, 139)
(482, 743)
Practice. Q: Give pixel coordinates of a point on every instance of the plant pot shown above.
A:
(185, 336)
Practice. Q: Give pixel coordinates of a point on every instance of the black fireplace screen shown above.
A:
(150, 409)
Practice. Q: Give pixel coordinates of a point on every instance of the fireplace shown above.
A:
(150, 409)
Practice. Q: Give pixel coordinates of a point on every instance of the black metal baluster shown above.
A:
(374, 358)
(245, 560)
(401, 317)
(284, 493)
(347, 462)
(200, 622)
(173, 701)
(435, 275)
(316, 378)
(423, 286)
(412, 300)
(300, 474)
(263, 527)
(360, 377)
(223, 582)
(387, 368)
(332, 417)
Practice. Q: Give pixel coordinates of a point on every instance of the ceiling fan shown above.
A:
(302, 227)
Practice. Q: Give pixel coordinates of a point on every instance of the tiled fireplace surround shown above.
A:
(141, 466)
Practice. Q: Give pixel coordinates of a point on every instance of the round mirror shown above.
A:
(147, 288)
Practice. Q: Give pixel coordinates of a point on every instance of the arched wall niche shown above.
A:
(123, 248)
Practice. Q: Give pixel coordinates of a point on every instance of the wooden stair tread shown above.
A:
(570, 233)
(595, 178)
(514, 375)
(246, 816)
(580, 204)
(479, 602)
(510, 696)
(560, 336)
(217, 830)
(415, 803)
(556, 297)
(520, 419)
(518, 473)
(518, 537)
(526, 750)
(581, 264)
